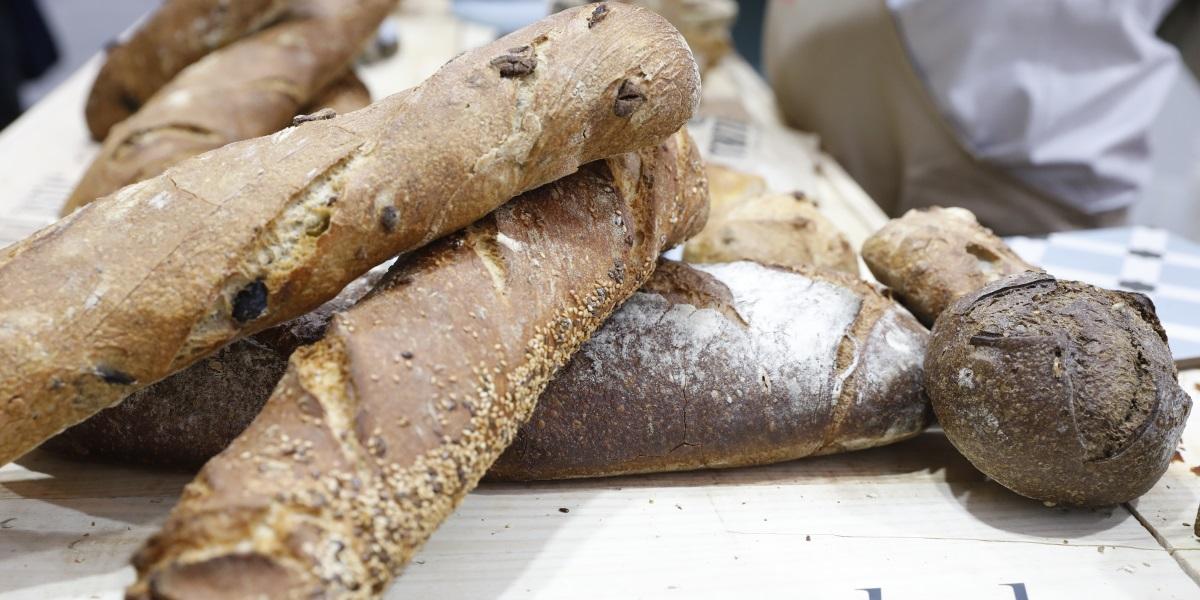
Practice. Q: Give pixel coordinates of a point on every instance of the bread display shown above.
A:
(142, 283)
(1058, 390)
(931, 257)
(176, 35)
(248, 89)
(377, 432)
(726, 365)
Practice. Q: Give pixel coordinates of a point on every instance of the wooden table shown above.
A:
(909, 521)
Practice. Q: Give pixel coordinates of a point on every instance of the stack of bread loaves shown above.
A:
(200, 74)
(528, 328)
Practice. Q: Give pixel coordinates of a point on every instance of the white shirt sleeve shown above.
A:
(1059, 93)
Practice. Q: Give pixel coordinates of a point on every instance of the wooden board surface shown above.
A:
(909, 521)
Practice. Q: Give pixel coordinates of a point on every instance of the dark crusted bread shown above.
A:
(1058, 390)
(725, 365)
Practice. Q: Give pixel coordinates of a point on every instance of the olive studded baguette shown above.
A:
(144, 282)
(248, 89)
(178, 34)
(376, 433)
(726, 365)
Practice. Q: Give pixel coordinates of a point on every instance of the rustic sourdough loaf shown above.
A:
(140, 284)
(725, 365)
(250, 88)
(176, 35)
(1058, 390)
(931, 257)
(377, 432)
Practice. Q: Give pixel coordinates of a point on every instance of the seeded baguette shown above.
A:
(726, 365)
(933, 256)
(248, 89)
(176, 35)
(139, 285)
(377, 432)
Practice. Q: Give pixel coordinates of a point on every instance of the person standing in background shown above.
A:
(27, 50)
(1034, 115)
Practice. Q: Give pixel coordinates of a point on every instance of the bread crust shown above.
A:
(142, 283)
(725, 365)
(1058, 390)
(176, 35)
(930, 257)
(377, 432)
(776, 229)
(248, 89)
(187, 418)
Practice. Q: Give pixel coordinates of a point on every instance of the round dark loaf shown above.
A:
(1058, 390)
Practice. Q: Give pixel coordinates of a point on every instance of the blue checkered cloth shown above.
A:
(1154, 262)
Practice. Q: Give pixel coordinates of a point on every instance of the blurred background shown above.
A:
(1169, 197)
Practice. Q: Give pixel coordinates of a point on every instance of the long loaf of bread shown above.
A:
(725, 365)
(376, 433)
(248, 89)
(142, 283)
(178, 34)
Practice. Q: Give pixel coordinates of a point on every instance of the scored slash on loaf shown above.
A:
(376, 433)
(142, 283)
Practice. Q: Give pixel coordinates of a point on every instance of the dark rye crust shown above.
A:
(679, 379)
(140, 284)
(376, 433)
(1058, 390)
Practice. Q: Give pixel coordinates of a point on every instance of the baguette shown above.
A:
(178, 34)
(931, 257)
(727, 365)
(248, 89)
(377, 432)
(136, 286)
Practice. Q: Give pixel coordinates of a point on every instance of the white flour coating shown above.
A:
(508, 242)
(790, 346)
(796, 325)
(768, 382)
